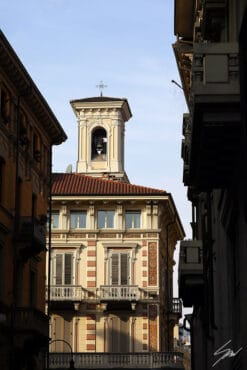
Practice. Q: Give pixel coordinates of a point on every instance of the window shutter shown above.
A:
(115, 268)
(67, 269)
(124, 269)
(59, 266)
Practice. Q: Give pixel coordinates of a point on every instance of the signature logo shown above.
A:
(225, 352)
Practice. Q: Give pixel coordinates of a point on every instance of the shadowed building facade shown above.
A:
(28, 129)
(211, 55)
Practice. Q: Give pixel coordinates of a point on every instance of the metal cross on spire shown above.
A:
(101, 86)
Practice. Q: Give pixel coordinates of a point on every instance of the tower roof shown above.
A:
(98, 99)
(103, 101)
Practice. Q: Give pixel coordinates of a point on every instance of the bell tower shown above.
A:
(101, 130)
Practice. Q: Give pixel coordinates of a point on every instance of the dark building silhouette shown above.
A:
(28, 129)
(211, 56)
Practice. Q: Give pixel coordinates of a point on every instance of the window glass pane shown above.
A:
(55, 220)
(132, 219)
(128, 220)
(105, 219)
(137, 219)
(101, 219)
(78, 219)
(110, 219)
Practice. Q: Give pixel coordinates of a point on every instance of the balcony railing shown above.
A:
(97, 360)
(176, 307)
(76, 293)
(32, 321)
(119, 293)
(31, 236)
(66, 293)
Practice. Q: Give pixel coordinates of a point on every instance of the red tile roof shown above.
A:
(79, 184)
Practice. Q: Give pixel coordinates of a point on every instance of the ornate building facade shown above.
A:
(111, 246)
(28, 129)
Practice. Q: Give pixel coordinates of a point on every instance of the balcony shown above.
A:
(119, 293)
(72, 295)
(215, 115)
(190, 272)
(175, 309)
(31, 321)
(97, 360)
(66, 293)
(31, 237)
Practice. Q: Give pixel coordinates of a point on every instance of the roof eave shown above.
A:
(28, 91)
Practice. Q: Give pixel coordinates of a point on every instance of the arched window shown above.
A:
(99, 144)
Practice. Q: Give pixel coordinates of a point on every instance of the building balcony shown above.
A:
(190, 272)
(97, 360)
(213, 143)
(175, 309)
(119, 293)
(66, 293)
(31, 237)
(115, 296)
(31, 321)
(74, 294)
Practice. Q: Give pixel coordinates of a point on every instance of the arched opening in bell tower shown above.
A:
(99, 144)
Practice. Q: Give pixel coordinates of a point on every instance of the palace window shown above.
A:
(120, 268)
(63, 267)
(78, 219)
(132, 219)
(55, 220)
(106, 219)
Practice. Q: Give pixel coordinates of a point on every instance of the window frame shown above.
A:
(120, 266)
(133, 214)
(79, 213)
(57, 213)
(107, 221)
(63, 276)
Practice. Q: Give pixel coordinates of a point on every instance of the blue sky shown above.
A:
(68, 46)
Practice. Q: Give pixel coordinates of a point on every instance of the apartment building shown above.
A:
(111, 248)
(28, 129)
(211, 56)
